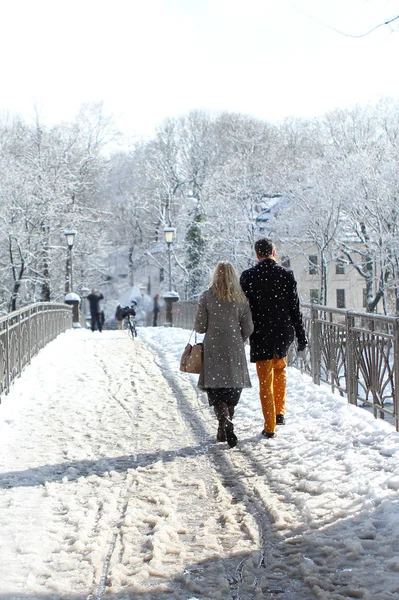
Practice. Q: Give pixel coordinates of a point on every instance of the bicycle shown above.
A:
(131, 321)
(129, 313)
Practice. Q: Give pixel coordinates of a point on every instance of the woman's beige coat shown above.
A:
(226, 326)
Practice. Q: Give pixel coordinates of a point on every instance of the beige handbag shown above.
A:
(191, 359)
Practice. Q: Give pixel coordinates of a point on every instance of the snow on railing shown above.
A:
(24, 332)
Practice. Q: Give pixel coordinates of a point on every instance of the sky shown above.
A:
(112, 484)
(150, 60)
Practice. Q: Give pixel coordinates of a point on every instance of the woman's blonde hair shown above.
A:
(225, 284)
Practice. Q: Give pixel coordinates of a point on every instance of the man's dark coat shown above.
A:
(94, 301)
(272, 294)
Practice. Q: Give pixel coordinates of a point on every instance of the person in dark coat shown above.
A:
(156, 310)
(95, 309)
(272, 294)
(223, 315)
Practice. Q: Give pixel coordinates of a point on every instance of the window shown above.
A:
(340, 298)
(161, 274)
(286, 262)
(340, 267)
(313, 264)
(314, 296)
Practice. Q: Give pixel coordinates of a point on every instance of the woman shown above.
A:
(224, 316)
(119, 317)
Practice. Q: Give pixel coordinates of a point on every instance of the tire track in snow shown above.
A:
(283, 580)
(114, 389)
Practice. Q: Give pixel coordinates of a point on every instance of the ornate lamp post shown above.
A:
(70, 237)
(169, 233)
(170, 296)
(71, 298)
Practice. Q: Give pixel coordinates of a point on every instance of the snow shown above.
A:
(72, 297)
(112, 484)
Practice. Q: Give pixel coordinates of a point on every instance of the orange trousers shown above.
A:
(272, 389)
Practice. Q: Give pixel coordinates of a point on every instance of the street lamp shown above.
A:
(169, 233)
(170, 296)
(70, 237)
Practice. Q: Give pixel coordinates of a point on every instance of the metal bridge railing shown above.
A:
(357, 354)
(183, 314)
(24, 332)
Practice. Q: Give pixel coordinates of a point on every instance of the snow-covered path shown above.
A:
(112, 486)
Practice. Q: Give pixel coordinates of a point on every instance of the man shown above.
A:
(156, 310)
(272, 294)
(95, 310)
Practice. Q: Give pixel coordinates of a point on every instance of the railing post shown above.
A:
(35, 328)
(351, 381)
(29, 335)
(8, 378)
(396, 374)
(19, 344)
(43, 314)
(315, 355)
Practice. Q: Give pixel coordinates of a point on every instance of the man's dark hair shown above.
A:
(264, 247)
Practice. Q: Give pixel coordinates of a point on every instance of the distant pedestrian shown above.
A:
(224, 316)
(156, 310)
(272, 294)
(119, 316)
(95, 309)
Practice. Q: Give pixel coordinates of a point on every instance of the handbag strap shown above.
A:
(191, 335)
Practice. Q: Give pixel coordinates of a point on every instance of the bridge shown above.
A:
(356, 354)
(112, 484)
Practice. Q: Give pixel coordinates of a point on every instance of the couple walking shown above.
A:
(264, 306)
